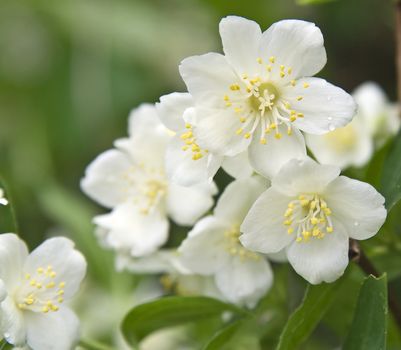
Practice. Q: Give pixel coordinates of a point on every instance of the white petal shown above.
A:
(238, 166)
(171, 109)
(68, 263)
(350, 145)
(238, 197)
(216, 131)
(245, 281)
(263, 228)
(183, 170)
(148, 137)
(325, 107)
(131, 231)
(296, 44)
(269, 158)
(13, 253)
(52, 331)
(104, 178)
(241, 39)
(321, 260)
(185, 205)
(12, 323)
(208, 78)
(357, 205)
(204, 250)
(158, 262)
(278, 257)
(304, 176)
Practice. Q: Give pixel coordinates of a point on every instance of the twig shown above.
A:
(356, 254)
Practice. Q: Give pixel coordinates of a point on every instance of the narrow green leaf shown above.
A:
(223, 338)
(7, 217)
(306, 317)
(170, 311)
(391, 176)
(369, 326)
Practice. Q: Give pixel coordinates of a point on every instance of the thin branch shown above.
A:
(356, 254)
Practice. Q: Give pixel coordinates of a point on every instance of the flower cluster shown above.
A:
(249, 112)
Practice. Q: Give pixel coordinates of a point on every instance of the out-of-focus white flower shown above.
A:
(212, 248)
(353, 144)
(186, 163)
(3, 199)
(312, 212)
(33, 289)
(261, 87)
(131, 179)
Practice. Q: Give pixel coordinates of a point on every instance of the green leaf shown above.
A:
(225, 337)
(369, 326)
(312, 2)
(171, 311)
(7, 217)
(306, 317)
(391, 176)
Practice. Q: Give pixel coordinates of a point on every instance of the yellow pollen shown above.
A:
(263, 141)
(242, 119)
(289, 70)
(300, 115)
(269, 68)
(235, 87)
(237, 109)
(293, 82)
(184, 148)
(289, 132)
(278, 136)
(272, 59)
(40, 270)
(229, 104)
(188, 126)
(305, 85)
(226, 98)
(299, 239)
(287, 105)
(314, 221)
(272, 126)
(197, 156)
(290, 230)
(247, 135)
(282, 74)
(329, 229)
(259, 60)
(293, 118)
(239, 131)
(299, 98)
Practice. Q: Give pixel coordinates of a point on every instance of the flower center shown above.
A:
(342, 139)
(234, 246)
(40, 292)
(145, 186)
(191, 145)
(259, 101)
(309, 217)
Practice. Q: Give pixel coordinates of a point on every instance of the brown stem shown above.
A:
(398, 46)
(356, 254)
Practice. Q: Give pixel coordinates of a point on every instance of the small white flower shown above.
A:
(176, 277)
(312, 212)
(259, 94)
(33, 289)
(186, 162)
(131, 179)
(212, 248)
(3, 199)
(353, 144)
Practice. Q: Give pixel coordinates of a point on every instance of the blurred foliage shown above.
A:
(70, 71)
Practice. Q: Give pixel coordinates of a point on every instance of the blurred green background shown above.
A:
(70, 71)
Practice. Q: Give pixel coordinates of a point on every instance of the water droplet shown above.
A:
(330, 119)
(331, 127)
(356, 223)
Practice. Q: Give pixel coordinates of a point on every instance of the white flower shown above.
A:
(260, 87)
(3, 199)
(176, 277)
(33, 289)
(312, 212)
(353, 144)
(212, 248)
(186, 163)
(131, 179)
